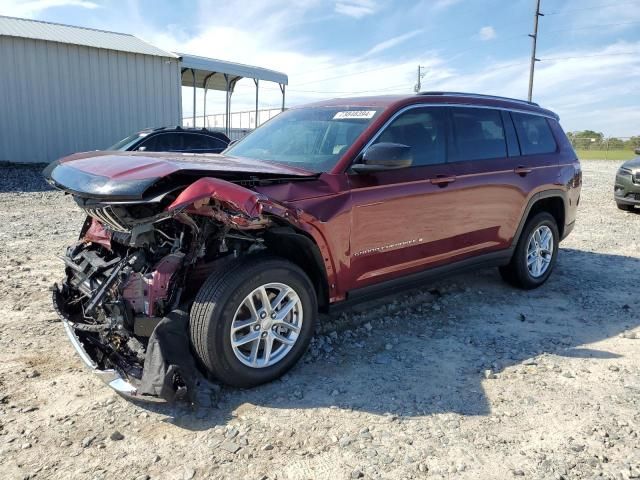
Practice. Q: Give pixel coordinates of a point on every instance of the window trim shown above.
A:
(454, 105)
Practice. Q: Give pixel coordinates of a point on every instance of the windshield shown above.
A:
(126, 143)
(312, 138)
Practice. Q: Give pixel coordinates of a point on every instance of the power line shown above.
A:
(593, 7)
(589, 56)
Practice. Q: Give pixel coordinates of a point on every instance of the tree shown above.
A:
(614, 143)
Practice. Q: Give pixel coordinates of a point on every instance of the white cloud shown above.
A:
(487, 33)
(30, 9)
(587, 92)
(355, 8)
(392, 42)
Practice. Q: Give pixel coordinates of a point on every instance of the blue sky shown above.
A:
(590, 49)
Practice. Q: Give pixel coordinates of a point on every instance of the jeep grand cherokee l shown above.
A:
(222, 262)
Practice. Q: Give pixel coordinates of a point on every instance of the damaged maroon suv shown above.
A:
(219, 264)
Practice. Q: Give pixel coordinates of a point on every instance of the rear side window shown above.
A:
(194, 142)
(164, 142)
(534, 134)
(478, 134)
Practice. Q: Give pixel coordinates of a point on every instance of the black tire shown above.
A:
(516, 272)
(625, 207)
(216, 303)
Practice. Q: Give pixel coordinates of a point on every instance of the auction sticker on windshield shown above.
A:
(365, 114)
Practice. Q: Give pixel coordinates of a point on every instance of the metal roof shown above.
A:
(89, 37)
(211, 71)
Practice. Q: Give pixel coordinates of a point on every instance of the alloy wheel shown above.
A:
(540, 251)
(266, 325)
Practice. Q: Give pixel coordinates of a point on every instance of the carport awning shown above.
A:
(210, 73)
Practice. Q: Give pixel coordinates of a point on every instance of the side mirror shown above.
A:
(141, 149)
(384, 156)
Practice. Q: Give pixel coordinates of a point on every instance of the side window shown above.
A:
(194, 142)
(478, 134)
(424, 130)
(163, 142)
(534, 134)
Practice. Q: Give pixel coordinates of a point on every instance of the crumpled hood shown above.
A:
(128, 175)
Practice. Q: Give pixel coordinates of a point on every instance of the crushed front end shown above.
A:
(131, 276)
(124, 279)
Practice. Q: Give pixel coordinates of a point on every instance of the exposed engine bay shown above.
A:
(135, 269)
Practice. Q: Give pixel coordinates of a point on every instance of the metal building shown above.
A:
(66, 89)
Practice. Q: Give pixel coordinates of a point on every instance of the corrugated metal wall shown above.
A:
(56, 99)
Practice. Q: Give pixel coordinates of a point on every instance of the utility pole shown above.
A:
(421, 75)
(534, 41)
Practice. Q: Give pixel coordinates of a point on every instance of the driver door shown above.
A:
(404, 220)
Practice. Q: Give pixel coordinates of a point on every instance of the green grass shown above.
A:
(605, 154)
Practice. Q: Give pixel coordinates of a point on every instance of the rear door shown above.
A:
(492, 177)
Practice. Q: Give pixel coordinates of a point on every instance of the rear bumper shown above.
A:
(123, 386)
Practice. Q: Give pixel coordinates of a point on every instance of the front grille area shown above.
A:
(108, 218)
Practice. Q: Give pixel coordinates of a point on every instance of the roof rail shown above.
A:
(479, 95)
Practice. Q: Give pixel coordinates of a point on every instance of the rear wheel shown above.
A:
(536, 253)
(625, 207)
(252, 322)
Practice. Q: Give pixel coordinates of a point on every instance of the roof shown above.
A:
(458, 98)
(211, 71)
(89, 37)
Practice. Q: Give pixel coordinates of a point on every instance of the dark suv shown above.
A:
(174, 139)
(219, 264)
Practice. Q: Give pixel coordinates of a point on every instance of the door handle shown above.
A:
(522, 171)
(442, 180)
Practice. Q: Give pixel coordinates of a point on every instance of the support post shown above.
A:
(534, 41)
(282, 87)
(204, 110)
(193, 73)
(226, 107)
(256, 81)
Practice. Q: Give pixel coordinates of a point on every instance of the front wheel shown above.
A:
(536, 253)
(253, 321)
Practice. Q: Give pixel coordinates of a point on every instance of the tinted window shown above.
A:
(164, 142)
(534, 134)
(194, 142)
(424, 130)
(128, 142)
(478, 134)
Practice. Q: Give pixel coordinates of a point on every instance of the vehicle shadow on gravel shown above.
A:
(26, 179)
(429, 350)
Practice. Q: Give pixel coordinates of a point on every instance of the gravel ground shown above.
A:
(466, 378)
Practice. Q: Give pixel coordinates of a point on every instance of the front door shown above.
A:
(402, 220)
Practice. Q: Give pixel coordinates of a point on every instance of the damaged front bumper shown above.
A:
(123, 386)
